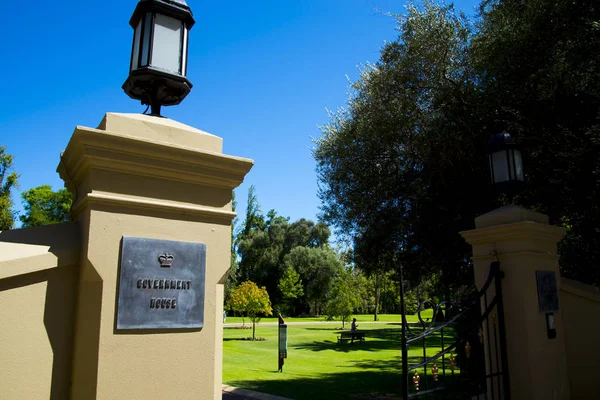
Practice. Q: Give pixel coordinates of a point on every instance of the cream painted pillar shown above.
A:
(525, 242)
(148, 177)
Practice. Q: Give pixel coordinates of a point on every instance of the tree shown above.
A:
(43, 206)
(8, 181)
(251, 301)
(290, 286)
(399, 168)
(264, 245)
(345, 296)
(255, 220)
(403, 168)
(252, 226)
(231, 278)
(539, 68)
(317, 267)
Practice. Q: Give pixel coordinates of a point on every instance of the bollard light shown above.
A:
(158, 67)
(506, 163)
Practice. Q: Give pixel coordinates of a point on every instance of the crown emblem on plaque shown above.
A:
(166, 260)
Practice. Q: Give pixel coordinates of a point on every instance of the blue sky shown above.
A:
(264, 74)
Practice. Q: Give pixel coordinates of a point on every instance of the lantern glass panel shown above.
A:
(510, 154)
(166, 46)
(499, 162)
(147, 32)
(184, 52)
(135, 54)
(518, 165)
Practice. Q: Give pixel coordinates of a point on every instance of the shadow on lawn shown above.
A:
(347, 327)
(380, 380)
(324, 329)
(344, 385)
(376, 340)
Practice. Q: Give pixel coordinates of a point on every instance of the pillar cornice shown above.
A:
(93, 148)
(169, 169)
(511, 231)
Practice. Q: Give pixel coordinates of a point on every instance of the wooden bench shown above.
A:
(345, 336)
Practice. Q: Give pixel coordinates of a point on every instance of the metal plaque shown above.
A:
(547, 291)
(161, 284)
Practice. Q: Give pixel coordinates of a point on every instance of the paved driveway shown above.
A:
(232, 396)
(233, 393)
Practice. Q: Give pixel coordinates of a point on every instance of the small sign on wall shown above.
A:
(547, 291)
(161, 284)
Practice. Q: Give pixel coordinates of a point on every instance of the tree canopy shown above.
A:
(251, 301)
(403, 168)
(43, 206)
(269, 245)
(290, 286)
(8, 181)
(346, 294)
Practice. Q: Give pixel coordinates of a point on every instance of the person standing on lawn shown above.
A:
(353, 326)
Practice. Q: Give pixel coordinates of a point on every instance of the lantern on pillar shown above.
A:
(506, 163)
(158, 68)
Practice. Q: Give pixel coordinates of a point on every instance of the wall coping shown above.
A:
(580, 289)
(38, 248)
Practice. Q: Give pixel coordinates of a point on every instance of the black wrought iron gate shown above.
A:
(460, 352)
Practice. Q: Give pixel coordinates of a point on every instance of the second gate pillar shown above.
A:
(524, 242)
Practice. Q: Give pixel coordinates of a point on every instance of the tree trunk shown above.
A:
(377, 295)
(253, 328)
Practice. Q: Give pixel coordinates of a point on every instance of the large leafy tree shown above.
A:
(399, 168)
(8, 181)
(317, 266)
(43, 206)
(252, 301)
(403, 168)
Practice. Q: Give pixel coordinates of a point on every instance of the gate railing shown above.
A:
(469, 347)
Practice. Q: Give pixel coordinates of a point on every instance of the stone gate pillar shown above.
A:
(148, 177)
(524, 243)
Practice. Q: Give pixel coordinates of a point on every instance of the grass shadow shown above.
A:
(323, 329)
(330, 386)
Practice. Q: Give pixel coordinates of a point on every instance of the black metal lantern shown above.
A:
(506, 163)
(157, 73)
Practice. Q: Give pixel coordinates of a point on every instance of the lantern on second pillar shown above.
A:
(506, 163)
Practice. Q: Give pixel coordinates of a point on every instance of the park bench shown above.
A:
(351, 336)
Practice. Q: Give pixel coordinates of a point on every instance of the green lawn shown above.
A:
(359, 318)
(317, 367)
